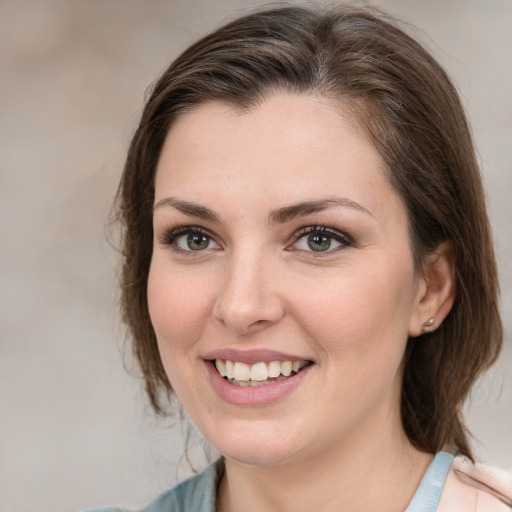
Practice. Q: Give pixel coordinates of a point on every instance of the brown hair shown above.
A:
(410, 110)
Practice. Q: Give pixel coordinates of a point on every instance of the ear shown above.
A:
(436, 290)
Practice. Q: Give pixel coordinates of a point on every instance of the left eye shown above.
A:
(194, 242)
(188, 240)
(320, 240)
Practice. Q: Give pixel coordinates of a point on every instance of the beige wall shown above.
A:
(73, 432)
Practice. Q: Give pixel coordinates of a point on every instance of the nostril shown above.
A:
(247, 300)
(246, 321)
(257, 323)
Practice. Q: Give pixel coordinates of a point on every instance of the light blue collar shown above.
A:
(198, 494)
(428, 494)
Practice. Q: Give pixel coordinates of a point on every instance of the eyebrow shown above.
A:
(278, 216)
(188, 208)
(288, 213)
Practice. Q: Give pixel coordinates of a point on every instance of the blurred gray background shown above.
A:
(75, 431)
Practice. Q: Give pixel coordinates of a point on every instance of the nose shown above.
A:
(249, 301)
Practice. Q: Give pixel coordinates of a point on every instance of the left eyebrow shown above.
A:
(188, 208)
(288, 213)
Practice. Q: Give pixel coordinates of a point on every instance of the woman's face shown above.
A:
(280, 246)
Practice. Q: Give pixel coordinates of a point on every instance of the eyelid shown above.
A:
(170, 235)
(343, 238)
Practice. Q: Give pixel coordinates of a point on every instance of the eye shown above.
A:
(320, 239)
(193, 242)
(189, 239)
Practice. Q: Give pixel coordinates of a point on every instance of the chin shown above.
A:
(256, 445)
(256, 456)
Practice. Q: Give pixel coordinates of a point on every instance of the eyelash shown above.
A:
(171, 236)
(342, 238)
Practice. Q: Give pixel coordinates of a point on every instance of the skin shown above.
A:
(336, 442)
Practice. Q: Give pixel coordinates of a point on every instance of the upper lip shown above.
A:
(252, 356)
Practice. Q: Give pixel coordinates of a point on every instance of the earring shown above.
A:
(429, 323)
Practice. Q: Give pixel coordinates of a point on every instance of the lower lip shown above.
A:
(258, 395)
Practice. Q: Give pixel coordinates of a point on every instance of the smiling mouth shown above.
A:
(258, 374)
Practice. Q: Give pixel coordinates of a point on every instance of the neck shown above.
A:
(381, 475)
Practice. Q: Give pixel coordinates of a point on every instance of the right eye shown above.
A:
(189, 239)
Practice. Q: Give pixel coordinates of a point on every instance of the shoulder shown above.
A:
(196, 494)
(475, 487)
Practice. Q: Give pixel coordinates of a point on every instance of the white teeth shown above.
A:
(274, 369)
(258, 372)
(221, 367)
(242, 371)
(230, 369)
(286, 368)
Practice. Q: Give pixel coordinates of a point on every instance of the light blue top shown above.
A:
(427, 496)
(197, 494)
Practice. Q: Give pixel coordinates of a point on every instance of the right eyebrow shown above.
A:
(288, 213)
(188, 208)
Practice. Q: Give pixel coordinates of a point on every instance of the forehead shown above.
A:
(283, 149)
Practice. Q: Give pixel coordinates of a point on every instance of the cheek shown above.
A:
(359, 325)
(178, 308)
(356, 313)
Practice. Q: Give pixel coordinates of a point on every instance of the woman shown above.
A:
(308, 265)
